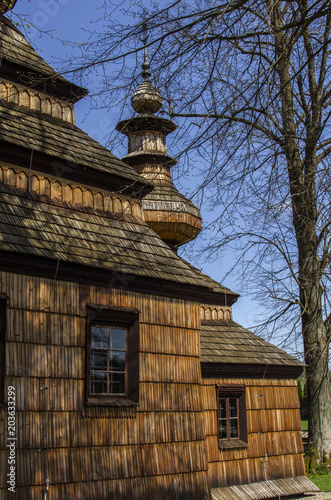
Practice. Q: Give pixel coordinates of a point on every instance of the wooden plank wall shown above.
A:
(274, 428)
(157, 452)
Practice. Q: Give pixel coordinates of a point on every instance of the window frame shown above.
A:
(228, 392)
(123, 318)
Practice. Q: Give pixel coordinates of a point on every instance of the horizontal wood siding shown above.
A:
(154, 451)
(274, 440)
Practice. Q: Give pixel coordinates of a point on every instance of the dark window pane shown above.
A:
(117, 338)
(222, 429)
(233, 407)
(99, 337)
(234, 428)
(117, 361)
(98, 360)
(98, 383)
(222, 408)
(117, 383)
(107, 360)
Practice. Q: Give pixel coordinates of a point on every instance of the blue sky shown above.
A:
(49, 23)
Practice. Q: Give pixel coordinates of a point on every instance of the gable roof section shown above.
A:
(21, 62)
(38, 226)
(225, 344)
(63, 142)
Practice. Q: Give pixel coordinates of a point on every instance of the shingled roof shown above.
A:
(61, 140)
(225, 342)
(16, 50)
(43, 227)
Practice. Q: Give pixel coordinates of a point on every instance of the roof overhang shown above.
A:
(49, 268)
(240, 370)
(53, 84)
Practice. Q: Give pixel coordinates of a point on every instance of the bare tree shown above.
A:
(249, 80)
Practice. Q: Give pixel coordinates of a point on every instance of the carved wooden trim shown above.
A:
(38, 101)
(69, 192)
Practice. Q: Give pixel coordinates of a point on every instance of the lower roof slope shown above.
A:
(226, 342)
(40, 226)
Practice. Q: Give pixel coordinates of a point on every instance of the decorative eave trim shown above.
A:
(49, 84)
(81, 174)
(240, 370)
(156, 158)
(66, 271)
(144, 123)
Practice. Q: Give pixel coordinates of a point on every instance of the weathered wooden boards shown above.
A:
(156, 450)
(274, 441)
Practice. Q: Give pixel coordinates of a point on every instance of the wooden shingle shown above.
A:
(226, 342)
(61, 140)
(38, 226)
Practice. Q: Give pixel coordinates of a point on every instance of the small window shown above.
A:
(231, 416)
(108, 360)
(112, 361)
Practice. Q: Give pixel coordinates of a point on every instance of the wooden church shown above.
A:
(122, 373)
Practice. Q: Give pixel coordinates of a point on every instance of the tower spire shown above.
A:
(146, 74)
(172, 216)
(146, 99)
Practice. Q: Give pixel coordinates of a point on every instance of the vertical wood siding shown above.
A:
(274, 439)
(156, 452)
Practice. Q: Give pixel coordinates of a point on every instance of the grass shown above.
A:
(322, 478)
(304, 425)
(322, 481)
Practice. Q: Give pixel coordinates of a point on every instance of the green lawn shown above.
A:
(322, 481)
(322, 478)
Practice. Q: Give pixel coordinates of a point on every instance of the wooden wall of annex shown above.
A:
(157, 452)
(274, 434)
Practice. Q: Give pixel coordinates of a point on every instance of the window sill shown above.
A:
(114, 401)
(232, 443)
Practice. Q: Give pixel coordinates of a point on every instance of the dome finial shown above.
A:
(145, 65)
(146, 99)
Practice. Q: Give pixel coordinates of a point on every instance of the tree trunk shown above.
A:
(314, 331)
(302, 182)
(316, 347)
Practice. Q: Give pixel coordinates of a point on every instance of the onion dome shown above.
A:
(146, 99)
(172, 216)
(6, 5)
